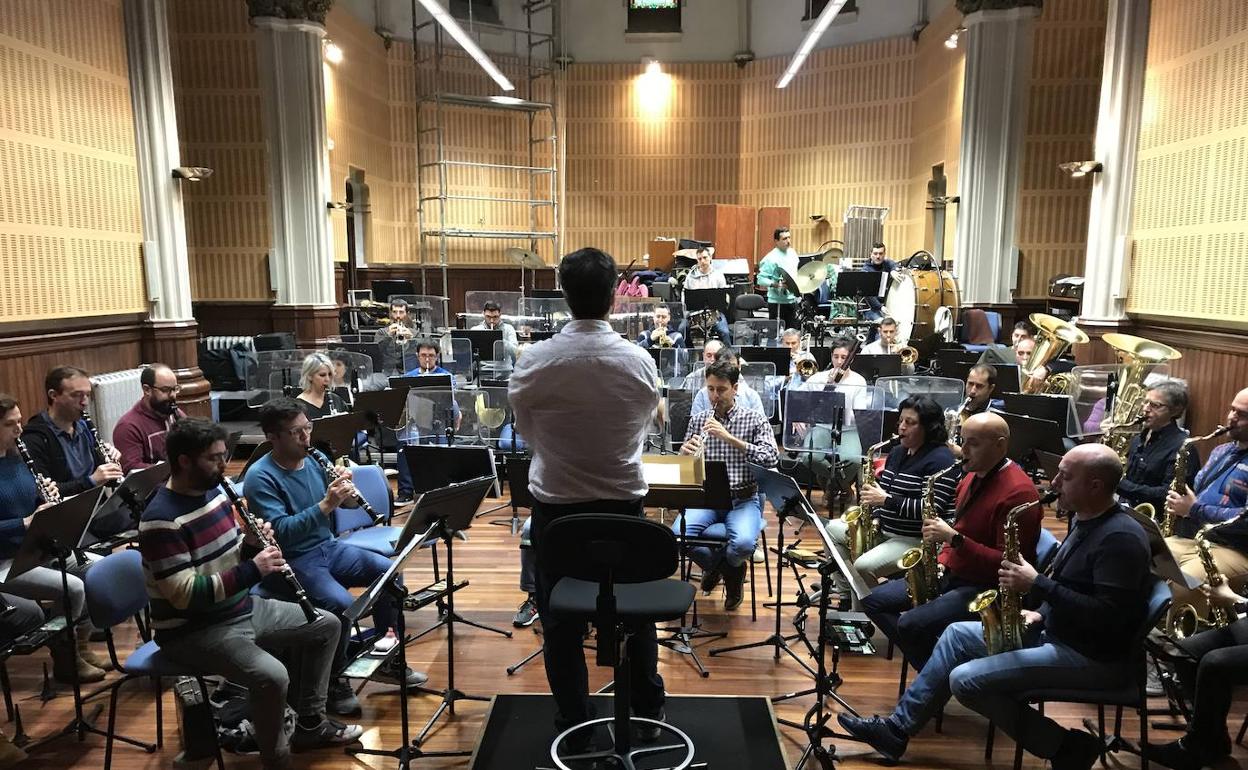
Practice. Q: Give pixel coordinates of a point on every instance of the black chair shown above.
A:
(746, 304)
(614, 571)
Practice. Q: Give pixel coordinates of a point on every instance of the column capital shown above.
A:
(967, 7)
(297, 10)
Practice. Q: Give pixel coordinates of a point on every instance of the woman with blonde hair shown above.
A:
(316, 379)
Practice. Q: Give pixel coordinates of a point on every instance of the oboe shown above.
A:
(253, 525)
(332, 473)
(47, 488)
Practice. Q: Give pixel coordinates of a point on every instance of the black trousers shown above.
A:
(1221, 663)
(916, 630)
(562, 651)
(785, 312)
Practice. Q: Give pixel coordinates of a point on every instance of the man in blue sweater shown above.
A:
(291, 492)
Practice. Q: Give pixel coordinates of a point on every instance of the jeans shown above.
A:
(916, 629)
(743, 524)
(243, 650)
(1221, 663)
(326, 573)
(528, 559)
(562, 652)
(47, 584)
(960, 665)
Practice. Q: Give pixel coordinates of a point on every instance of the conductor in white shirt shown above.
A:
(586, 451)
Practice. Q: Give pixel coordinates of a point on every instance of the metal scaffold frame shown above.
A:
(539, 69)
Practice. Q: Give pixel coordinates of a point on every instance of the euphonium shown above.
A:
(1185, 621)
(862, 531)
(922, 569)
(1053, 336)
(1001, 611)
(1136, 354)
(1178, 484)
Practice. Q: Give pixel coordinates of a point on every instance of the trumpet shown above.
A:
(253, 524)
(661, 338)
(908, 355)
(48, 491)
(331, 475)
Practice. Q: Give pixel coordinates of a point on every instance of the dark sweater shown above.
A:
(18, 499)
(1150, 466)
(902, 479)
(49, 456)
(332, 405)
(1096, 596)
(981, 511)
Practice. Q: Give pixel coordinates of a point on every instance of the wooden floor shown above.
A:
(490, 561)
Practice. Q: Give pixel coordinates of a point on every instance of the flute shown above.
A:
(250, 521)
(331, 472)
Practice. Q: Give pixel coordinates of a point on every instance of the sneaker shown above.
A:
(403, 498)
(1079, 751)
(389, 672)
(1152, 686)
(649, 733)
(710, 580)
(758, 557)
(878, 733)
(328, 733)
(526, 614)
(386, 643)
(340, 699)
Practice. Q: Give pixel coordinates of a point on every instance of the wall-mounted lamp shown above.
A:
(1079, 168)
(817, 217)
(332, 52)
(945, 200)
(951, 42)
(192, 173)
(339, 206)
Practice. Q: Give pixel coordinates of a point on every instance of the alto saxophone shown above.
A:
(862, 531)
(1001, 611)
(1185, 621)
(48, 491)
(922, 569)
(1178, 484)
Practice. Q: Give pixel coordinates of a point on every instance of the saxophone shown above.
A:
(861, 529)
(922, 569)
(1178, 484)
(1001, 611)
(1185, 621)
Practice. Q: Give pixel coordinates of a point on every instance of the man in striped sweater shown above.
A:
(204, 615)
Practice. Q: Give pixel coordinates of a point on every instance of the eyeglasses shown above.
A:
(168, 390)
(300, 430)
(1156, 405)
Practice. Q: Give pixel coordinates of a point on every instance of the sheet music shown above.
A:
(661, 473)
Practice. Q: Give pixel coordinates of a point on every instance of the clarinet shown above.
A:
(48, 491)
(253, 525)
(106, 450)
(332, 474)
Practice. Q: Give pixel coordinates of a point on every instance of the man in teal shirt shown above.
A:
(781, 302)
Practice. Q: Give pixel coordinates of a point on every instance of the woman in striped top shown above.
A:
(898, 500)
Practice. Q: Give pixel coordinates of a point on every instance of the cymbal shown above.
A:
(811, 275)
(524, 258)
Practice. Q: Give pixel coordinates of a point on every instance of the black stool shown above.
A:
(614, 571)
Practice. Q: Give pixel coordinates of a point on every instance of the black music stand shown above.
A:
(448, 511)
(116, 520)
(860, 284)
(758, 354)
(1009, 379)
(1042, 406)
(54, 535)
(708, 299)
(874, 366)
(423, 382)
(715, 494)
(335, 435)
(482, 341)
(1028, 434)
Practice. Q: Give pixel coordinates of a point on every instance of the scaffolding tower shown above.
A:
(439, 190)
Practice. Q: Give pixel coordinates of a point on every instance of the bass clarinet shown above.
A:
(48, 491)
(332, 473)
(253, 525)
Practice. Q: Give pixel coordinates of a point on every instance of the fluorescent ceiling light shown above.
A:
(808, 43)
(506, 100)
(448, 23)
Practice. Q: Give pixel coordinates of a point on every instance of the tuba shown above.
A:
(922, 570)
(1178, 482)
(1053, 337)
(1185, 621)
(862, 530)
(1137, 355)
(1001, 611)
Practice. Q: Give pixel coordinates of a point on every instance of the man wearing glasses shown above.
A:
(291, 492)
(140, 433)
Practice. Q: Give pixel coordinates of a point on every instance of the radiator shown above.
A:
(864, 226)
(223, 342)
(113, 393)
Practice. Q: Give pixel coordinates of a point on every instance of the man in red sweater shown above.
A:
(972, 542)
(140, 433)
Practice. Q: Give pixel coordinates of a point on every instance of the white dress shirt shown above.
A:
(585, 400)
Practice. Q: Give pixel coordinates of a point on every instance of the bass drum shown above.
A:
(923, 302)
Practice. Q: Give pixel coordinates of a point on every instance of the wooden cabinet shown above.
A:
(730, 227)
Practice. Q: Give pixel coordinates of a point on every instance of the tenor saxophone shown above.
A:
(862, 531)
(1001, 611)
(1185, 621)
(1178, 484)
(922, 569)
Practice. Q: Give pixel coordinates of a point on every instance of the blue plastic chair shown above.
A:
(116, 590)
(353, 525)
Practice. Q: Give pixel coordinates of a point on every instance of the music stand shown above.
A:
(482, 341)
(756, 354)
(708, 299)
(1164, 564)
(112, 525)
(873, 367)
(1009, 380)
(424, 381)
(435, 466)
(1027, 434)
(335, 435)
(861, 283)
(53, 535)
(449, 511)
(388, 586)
(1041, 406)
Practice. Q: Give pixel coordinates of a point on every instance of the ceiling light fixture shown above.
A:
(808, 43)
(448, 23)
(1081, 168)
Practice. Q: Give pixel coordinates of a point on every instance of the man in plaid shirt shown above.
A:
(736, 436)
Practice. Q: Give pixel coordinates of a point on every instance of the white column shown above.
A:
(292, 87)
(1117, 128)
(994, 110)
(156, 140)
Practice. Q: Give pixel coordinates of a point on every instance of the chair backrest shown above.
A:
(595, 546)
(370, 481)
(1046, 549)
(116, 588)
(749, 302)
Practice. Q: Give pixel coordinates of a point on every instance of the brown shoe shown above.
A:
(87, 654)
(65, 661)
(10, 755)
